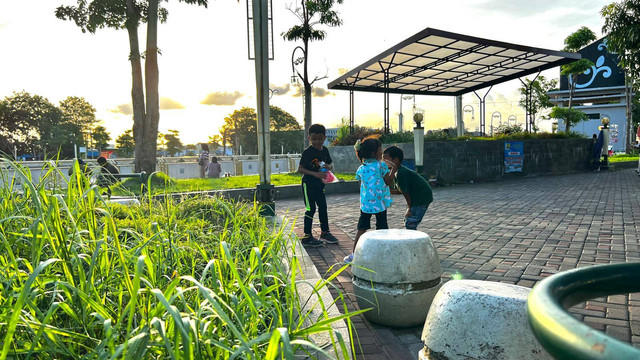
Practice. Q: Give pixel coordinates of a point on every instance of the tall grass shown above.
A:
(202, 279)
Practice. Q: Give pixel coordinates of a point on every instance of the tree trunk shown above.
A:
(137, 91)
(148, 161)
(627, 97)
(572, 87)
(307, 96)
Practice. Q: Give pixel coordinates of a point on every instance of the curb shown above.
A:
(314, 301)
(282, 192)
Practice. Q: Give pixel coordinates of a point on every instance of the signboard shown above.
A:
(513, 156)
(605, 71)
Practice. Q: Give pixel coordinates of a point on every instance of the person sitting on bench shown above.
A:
(105, 179)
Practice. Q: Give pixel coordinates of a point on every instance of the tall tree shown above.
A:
(310, 14)
(539, 98)
(128, 14)
(32, 123)
(281, 120)
(215, 142)
(574, 42)
(240, 127)
(622, 29)
(78, 111)
(172, 142)
(125, 143)
(100, 137)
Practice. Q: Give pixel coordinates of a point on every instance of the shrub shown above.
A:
(359, 132)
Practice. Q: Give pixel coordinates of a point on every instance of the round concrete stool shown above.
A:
(472, 319)
(397, 272)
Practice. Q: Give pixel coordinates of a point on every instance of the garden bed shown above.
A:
(203, 278)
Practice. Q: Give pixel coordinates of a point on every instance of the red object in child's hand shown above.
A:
(329, 178)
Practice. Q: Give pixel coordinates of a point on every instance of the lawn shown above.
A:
(623, 157)
(205, 278)
(234, 182)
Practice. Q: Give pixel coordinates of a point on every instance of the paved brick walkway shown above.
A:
(515, 231)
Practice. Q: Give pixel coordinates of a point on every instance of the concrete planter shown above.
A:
(397, 272)
(472, 319)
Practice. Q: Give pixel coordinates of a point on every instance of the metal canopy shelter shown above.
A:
(436, 62)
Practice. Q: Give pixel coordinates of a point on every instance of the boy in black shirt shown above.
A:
(314, 163)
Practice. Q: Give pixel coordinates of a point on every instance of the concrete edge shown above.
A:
(311, 300)
(282, 192)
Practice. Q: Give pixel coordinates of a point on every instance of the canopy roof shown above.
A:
(436, 62)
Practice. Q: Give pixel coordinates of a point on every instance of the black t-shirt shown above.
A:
(311, 159)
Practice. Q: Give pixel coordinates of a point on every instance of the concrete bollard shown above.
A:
(472, 319)
(397, 272)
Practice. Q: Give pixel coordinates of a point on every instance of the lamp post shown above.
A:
(511, 117)
(296, 74)
(496, 114)
(401, 116)
(469, 108)
(418, 141)
(294, 81)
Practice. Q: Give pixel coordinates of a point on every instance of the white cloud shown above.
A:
(222, 98)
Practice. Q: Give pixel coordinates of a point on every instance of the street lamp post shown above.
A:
(294, 80)
(401, 116)
(496, 114)
(418, 141)
(469, 108)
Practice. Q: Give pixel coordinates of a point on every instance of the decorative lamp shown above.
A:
(418, 140)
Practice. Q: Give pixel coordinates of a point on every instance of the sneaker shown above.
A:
(309, 240)
(329, 238)
(348, 259)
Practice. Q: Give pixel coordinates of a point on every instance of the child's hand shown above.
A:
(408, 213)
(392, 166)
(320, 175)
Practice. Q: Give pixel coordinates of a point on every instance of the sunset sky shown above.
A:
(205, 73)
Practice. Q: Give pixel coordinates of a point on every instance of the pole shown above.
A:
(265, 191)
(459, 122)
(400, 116)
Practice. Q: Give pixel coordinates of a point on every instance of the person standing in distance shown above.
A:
(313, 165)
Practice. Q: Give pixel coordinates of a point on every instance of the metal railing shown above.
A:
(562, 335)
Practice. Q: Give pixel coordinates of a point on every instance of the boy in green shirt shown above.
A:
(415, 188)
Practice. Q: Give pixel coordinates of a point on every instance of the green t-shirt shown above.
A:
(410, 182)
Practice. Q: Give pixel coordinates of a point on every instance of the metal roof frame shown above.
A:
(437, 62)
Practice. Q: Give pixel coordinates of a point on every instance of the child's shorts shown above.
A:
(364, 223)
(417, 213)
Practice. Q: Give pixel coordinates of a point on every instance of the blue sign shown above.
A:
(513, 156)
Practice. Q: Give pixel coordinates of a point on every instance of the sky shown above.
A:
(205, 73)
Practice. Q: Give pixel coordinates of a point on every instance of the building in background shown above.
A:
(600, 92)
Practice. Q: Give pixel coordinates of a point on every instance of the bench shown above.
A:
(142, 175)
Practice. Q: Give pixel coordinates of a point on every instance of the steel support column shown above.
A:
(386, 103)
(528, 107)
(483, 110)
(352, 120)
(459, 120)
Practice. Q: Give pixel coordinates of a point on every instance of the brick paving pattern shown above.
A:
(515, 231)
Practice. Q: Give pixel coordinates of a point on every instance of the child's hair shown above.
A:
(214, 159)
(102, 160)
(317, 129)
(394, 152)
(367, 148)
